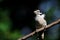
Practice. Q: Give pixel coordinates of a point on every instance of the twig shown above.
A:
(38, 30)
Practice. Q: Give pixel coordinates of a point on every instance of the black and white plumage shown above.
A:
(41, 22)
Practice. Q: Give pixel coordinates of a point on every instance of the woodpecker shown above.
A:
(40, 18)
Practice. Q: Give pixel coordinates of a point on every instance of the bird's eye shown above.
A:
(40, 14)
(38, 11)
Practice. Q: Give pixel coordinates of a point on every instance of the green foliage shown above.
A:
(4, 20)
(50, 13)
(5, 25)
(14, 35)
(10, 35)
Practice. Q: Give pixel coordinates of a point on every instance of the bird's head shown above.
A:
(37, 12)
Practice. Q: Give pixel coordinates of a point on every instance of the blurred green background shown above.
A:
(17, 18)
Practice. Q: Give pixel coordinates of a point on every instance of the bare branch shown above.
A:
(38, 30)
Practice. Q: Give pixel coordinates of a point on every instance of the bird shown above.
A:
(40, 21)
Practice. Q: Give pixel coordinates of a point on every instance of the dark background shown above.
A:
(21, 11)
(17, 18)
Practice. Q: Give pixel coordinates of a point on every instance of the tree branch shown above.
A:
(38, 30)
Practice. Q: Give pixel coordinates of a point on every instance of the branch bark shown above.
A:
(38, 30)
